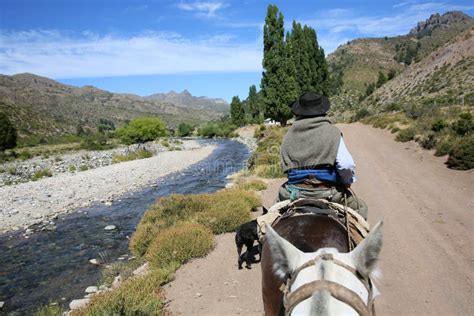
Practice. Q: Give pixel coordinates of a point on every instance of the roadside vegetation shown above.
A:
(139, 154)
(173, 231)
(265, 161)
(446, 130)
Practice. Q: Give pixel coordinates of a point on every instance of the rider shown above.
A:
(315, 158)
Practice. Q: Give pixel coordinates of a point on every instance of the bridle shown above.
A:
(339, 292)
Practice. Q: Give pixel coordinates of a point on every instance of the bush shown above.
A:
(360, 114)
(464, 125)
(41, 174)
(222, 211)
(83, 167)
(257, 185)
(72, 168)
(184, 129)
(49, 310)
(438, 125)
(135, 296)
(141, 130)
(95, 142)
(25, 155)
(461, 156)
(405, 135)
(139, 154)
(217, 129)
(265, 161)
(428, 142)
(178, 244)
(8, 134)
(444, 147)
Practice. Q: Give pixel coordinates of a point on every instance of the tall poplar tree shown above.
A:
(237, 112)
(278, 82)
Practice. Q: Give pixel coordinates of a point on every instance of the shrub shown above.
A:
(141, 130)
(394, 129)
(257, 185)
(222, 211)
(405, 135)
(49, 310)
(178, 244)
(165, 143)
(138, 154)
(184, 129)
(41, 174)
(444, 147)
(464, 125)
(135, 296)
(25, 155)
(72, 168)
(83, 167)
(360, 114)
(95, 142)
(8, 133)
(217, 129)
(461, 157)
(428, 142)
(438, 125)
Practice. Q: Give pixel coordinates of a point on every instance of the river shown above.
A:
(53, 266)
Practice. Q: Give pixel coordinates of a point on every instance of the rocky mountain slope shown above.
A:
(185, 99)
(41, 106)
(361, 60)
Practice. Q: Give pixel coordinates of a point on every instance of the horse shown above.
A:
(307, 268)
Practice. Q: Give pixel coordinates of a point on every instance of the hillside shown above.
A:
(360, 60)
(185, 99)
(41, 106)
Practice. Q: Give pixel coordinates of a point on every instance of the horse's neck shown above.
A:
(322, 303)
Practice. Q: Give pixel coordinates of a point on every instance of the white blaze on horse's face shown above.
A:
(287, 258)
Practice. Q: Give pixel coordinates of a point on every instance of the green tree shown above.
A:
(8, 134)
(184, 129)
(142, 129)
(254, 106)
(237, 112)
(381, 79)
(278, 84)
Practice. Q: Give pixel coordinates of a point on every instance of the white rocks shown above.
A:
(94, 261)
(229, 185)
(91, 289)
(76, 304)
(110, 227)
(117, 281)
(1, 304)
(142, 270)
(108, 203)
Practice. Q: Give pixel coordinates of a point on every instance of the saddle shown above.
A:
(358, 228)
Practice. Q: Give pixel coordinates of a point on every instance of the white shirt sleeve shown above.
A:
(345, 164)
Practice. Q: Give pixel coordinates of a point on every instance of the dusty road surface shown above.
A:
(427, 259)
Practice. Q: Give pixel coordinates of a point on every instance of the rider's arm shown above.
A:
(345, 164)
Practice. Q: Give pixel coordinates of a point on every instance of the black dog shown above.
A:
(246, 235)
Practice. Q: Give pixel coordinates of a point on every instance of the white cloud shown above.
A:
(59, 55)
(203, 8)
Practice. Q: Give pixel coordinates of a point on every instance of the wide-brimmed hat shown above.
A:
(311, 104)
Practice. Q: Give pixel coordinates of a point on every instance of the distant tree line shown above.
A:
(292, 64)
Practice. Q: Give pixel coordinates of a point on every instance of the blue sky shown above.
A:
(210, 47)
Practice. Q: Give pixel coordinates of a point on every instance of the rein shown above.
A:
(339, 292)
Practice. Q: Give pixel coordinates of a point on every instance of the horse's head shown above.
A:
(345, 277)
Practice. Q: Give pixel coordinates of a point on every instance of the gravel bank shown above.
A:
(29, 203)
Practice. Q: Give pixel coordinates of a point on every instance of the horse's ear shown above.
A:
(285, 256)
(366, 254)
(264, 210)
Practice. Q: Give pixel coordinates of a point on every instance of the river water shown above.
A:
(53, 266)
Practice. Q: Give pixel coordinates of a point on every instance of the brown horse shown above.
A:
(295, 241)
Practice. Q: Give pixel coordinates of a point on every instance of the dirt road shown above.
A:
(427, 258)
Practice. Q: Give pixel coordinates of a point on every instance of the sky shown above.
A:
(211, 48)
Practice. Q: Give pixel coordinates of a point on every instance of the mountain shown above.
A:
(186, 99)
(361, 60)
(41, 106)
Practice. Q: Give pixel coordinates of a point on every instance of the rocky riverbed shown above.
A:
(20, 171)
(40, 202)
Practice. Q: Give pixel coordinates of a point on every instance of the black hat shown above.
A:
(311, 104)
